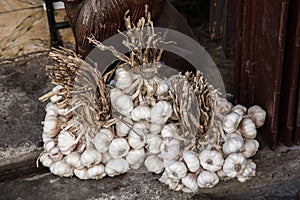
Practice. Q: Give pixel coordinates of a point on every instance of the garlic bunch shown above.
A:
(96, 172)
(153, 144)
(239, 109)
(248, 172)
(163, 87)
(250, 148)
(141, 112)
(190, 183)
(123, 104)
(73, 159)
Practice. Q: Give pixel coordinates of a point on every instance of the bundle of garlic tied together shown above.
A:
(98, 125)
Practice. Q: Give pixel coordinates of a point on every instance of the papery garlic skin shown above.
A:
(190, 181)
(234, 165)
(123, 104)
(123, 78)
(61, 168)
(248, 172)
(211, 160)
(223, 107)
(233, 143)
(176, 170)
(136, 158)
(118, 148)
(258, 115)
(170, 149)
(153, 144)
(169, 130)
(250, 147)
(102, 140)
(191, 160)
(66, 142)
(141, 112)
(207, 179)
(90, 156)
(231, 122)
(239, 109)
(73, 159)
(81, 173)
(248, 128)
(96, 172)
(116, 167)
(123, 126)
(154, 164)
(161, 112)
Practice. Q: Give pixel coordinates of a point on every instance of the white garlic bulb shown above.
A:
(190, 182)
(163, 87)
(136, 158)
(170, 149)
(118, 148)
(66, 142)
(81, 173)
(51, 109)
(90, 156)
(123, 78)
(233, 143)
(141, 112)
(45, 159)
(96, 172)
(73, 159)
(234, 165)
(114, 95)
(231, 122)
(248, 172)
(154, 164)
(161, 112)
(51, 126)
(106, 157)
(191, 160)
(153, 144)
(155, 128)
(116, 167)
(172, 183)
(223, 107)
(211, 160)
(102, 140)
(207, 179)
(61, 168)
(135, 141)
(258, 115)
(123, 104)
(123, 126)
(176, 170)
(250, 148)
(55, 154)
(239, 109)
(169, 130)
(48, 145)
(248, 128)
(56, 98)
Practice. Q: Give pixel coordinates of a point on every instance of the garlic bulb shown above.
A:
(123, 78)
(154, 164)
(118, 148)
(190, 182)
(248, 172)
(161, 112)
(234, 165)
(136, 158)
(141, 112)
(123, 127)
(258, 115)
(172, 183)
(66, 142)
(105, 158)
(223, 107)
(81, 173)
(135, 141)
(102, 140)
(73, 159)
(170, 149)
(250, 148)
(48, 145)
(162, 87)
(169, 130)
(114, 95)
(211, 160)
(51, 109)
(248, 129)
(96, 172)
(45, 159)
(116, 167)
(231, 122)
(153, 144)
(207, 179)
(191, 160)
(155, 128)
(56, 98)
(55, 154)
(123, 104)
(61, 168)
(233, 143)
(239, 109)
(90, 156)
(176, 170)
(51, 126)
